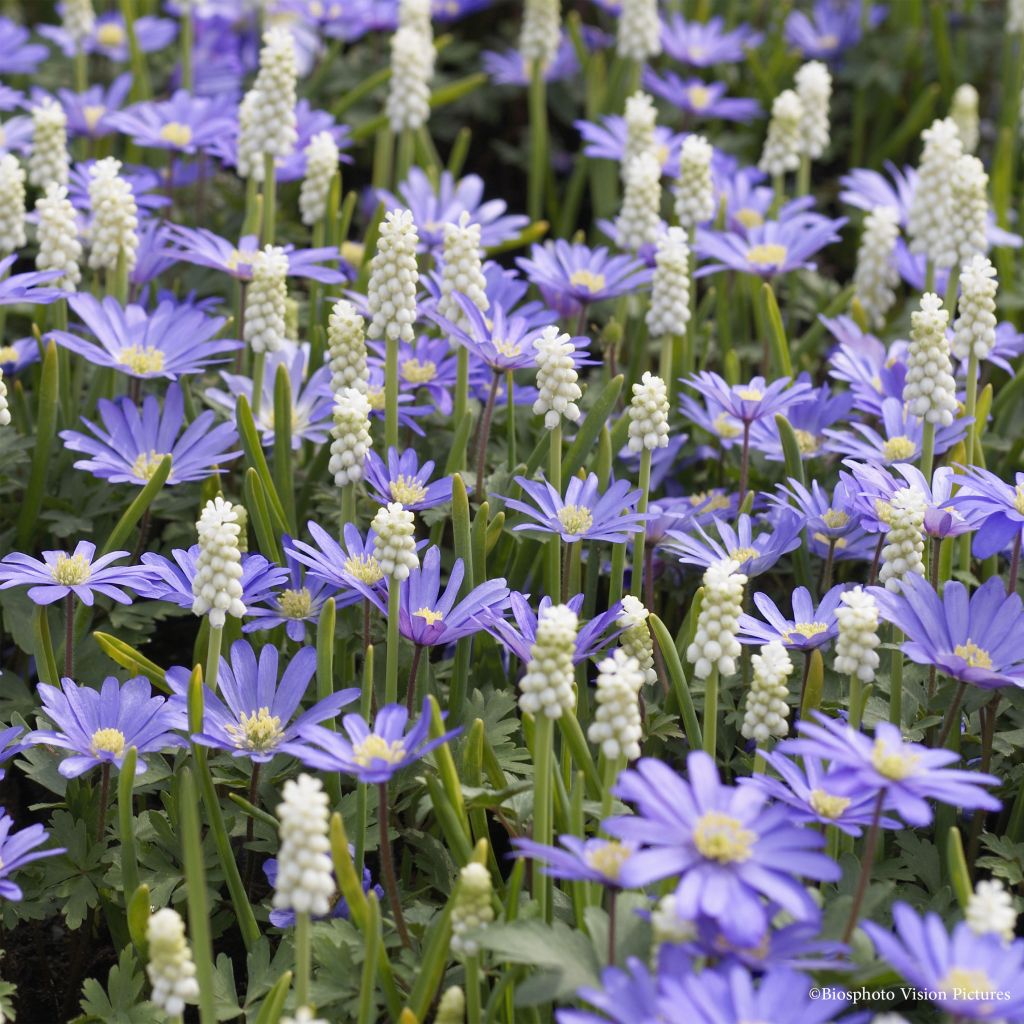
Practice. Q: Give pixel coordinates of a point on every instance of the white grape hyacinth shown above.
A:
(346, 347)
(48, 158)
(635, 638)
(305, 883)
(322, 161)
(715, 646)
(640, 119)
(395, 543)
(115, 220)
(639, 219)
(79, 19)
(616, 728)
(903, 554)
(412, 66)
(12, 204)
(991, 910)
(876, 277)
(695, 198)
(929, 390)
(170, 967)
(305, 1015)
(969, 192)
(669, 311)
(648, 414)
(784, 141)
(1015, 16)
(265, 301)
(974, 331)
(5, 412)
(964, 111)
(351, 436)
(557, 390)
(57, 234)
(767, 709)
(217, 586)
(547, 686)
(858, 639)
(276, 126)
(931, 207)
(462, 270)
(639, 30)
(814, 88)
(451, 1009)
(471, 908)
(541, 32)
(394, 278)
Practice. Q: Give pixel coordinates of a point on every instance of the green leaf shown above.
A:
(118, 1003)
(585, 444)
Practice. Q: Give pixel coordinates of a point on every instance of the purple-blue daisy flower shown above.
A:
(184, 123)
(702, 44)
(993, 504)
(89, 113)
(27, 287)
(403, 479)
(698, 98)
(20, 848)
(754, 553)
(18, 56)
(812, 626)
(295, 606)
(352, 568)
(832, 27)
(749, 402)
(775, 247)
(61, 574)
(605, 861)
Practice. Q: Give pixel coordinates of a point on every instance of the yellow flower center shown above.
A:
(575, 519)
(429, 615)
(92, 115)
(723, 838)
(806, 630)
(608, 858)
(742, 555)
(295, 604)
(376, 748)
(509, 349)
(828, 805)
(1018, 500)
(725, 426)
(110, 35)
(108, 741)
(352, 252)
(71, 570)
(975, 656)
(375, 396)
(828, 41)
(967, 981)
(898, 447)
(142, 360)
(176, 133)
(407, 489)
(767, 254)
(715, 502)
(750, 394)
(883, 510)
(8, 353)
(749, 217)
(893, 764)
(147, 463)
(587, 279)
(699, 96)
(242, 258)
(835, 518)
(259, 731)
(807, 442)
(365, 568)
(416, 372)
(661, 155)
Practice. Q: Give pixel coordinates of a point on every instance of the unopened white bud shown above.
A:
(767, 708)
(471, 909)
(639, 34)
(5, 412)
(715, 646)
(351, 434)
(695, 199)
(557, 390)
(856, 653)
(991, 910)
(115, 219)
(639, 220)
(217, 587)
(974, 330)
(669, 311)
(876, 275)
(964, 111)
(929, 389)
(547, 686)
(452, 1007)
(412, 66)
(170, 968)
(79, 20)
(395, 544)
(903, 553)
(541, 32)
(969, 191)
(462, 270)
(57, 233)
(266, 300)
(391, 295)
(636, 638)
(321, 166)
(305, 1015)
(616, 728)
(666, 924)
(640, 118)
(48, 159)
(931, 208)
(304, 883)
(12, 204)
(648, 414)
(784, 142)
(346, 347)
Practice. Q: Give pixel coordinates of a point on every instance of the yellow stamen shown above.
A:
(699, 96)
(407, 489)
(108, 741)
(376, 748)
(416, 372)
(806, 630)
(71, 570)
(364, 568)
(767, 254)
(964, 982)
(828, 41)
(509, 349)
(975, 656)
(749, 218)
(110, 35)
(608, 858)
(147, 463)
(92, 115)
(575, 519)
(807, 442)
(375, 396)
(715, 502)
(241, 258)
(259, 731)
(141, 360)
(432, 617)
(176, 133)
(835, 518)
(893, 764)
(723, 838)
(828, 805)
(1018, 500)
(750, 394)
(725, 426)
(742, 555)
(588, 280)
(295, 604)
(898, 447)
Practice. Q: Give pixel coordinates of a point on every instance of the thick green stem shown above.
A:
(391, 392)
(554, 542)
(896, 679)
(391, 650)
(927, 450)
(640, 538)
(303, 958)
(538, 141)
(269, 199)
(213, 656)
(709, 728)
(543, 740)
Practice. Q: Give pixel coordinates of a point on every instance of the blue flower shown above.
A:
(8, 747)
(79, 573)
(294, 606)
(19, 848)
(604, 861)
(353, 569)
(340, 910)
(775, 247)
(749, 402)
(17, 55)
(699, 99)
(811, 626)
(28, 287)
(831, 28)
(183, 123)
(993, 504)
(606, 140)
(755, 554)
(89, 113)
(703, 44)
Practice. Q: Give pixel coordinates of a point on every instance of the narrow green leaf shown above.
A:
(431, 965)
(253, 449)
(273, 1004)
(371, 950)
(677, 681)
(195, 885)
(129, 658)
(572, 733)
(138, 507)
(956, 863)
(126, 824)
(46, 429)
(283, 476)
(585, 444)
(776, 332)
(257, 506)
(46, 663)
(815, 687)
(138, 917)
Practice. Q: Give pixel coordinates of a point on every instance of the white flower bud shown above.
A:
(412, 66)
(5, 412)
(903, 553)
(265, 301)
(391, 295)
(304, 880)
(12, 204)
(640, 118)
(814, 88)
(346, 347)
(57, 233)
(964, 111)
(784, 141)
(321, 166)
(767, 708)
(171, 970)
(395, 544)
(616, 727)
(669, 311)
(115, 219)
(305, 1015)
(969, 191)
(541, 32)
(547, 686)
(929, 389)
(79, 20)
(636, 638)
(217, 586)
(461, 270)
(452, 1007)
(876, 275)
(975, 328)
(666, 924)
(351, 433)
(648, 414)
(695, 199)
(471, 908)
(48, 159)
(1015, 16)
(276, 85)
(639, 220)
(991, 910)
(639, 34)
(931, 208)
(857, 615)
(715, 645)
(556, 378)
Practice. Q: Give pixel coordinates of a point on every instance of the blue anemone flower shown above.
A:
(20, 848)
(755, 554)
(702, 44)
(295, 606)
(772, 248)
(812, 626)
(698, 98)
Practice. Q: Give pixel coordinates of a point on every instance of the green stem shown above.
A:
(258, 366)
(928, 450)
(803, 175)
(709, 728)
(460, 407)
(391, 650)
(538, 141)
(870, 846)
(213, 656)
(510, 422)
(554, 542)
(543, 741)
(303, 958)
(186, 46)
(472, 966)
(269, 199)
(640, 538)
(856, 699)
(896, 679)
(387, 865)
(391, 392)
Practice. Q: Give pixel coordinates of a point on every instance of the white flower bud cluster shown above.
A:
(346, 347)
(321, 165)
(640, 118)
(669, 311)
(415, 14)
(767, 708)
(666, 924)
(1015, 16)
(541, 32)
(648, 414)
(412, 67)
(48, 159)
(929, 389)
(931, 208)
(695, 199)
(12, 204)
(275, 84)
(471, 909)
(969, 188)
(636, 636)
(5, 412)
(57, 234)
(616, 728)
(452, 1007)
(639, 220)
(715, 645)
(351, 433)
(556, 378)
(217, 586)
(462, 270)
(814, 88)
(991, 910)
(975, 328)
(395, 544)
(265, 301)
(639, 34)
(784, 142)
(391, 295)
(305, 1015)
(547, 686)
(171, 970)
(856, 653)
(964, 111)
(304, 880)
(903, 553)
(79, 20)
(876, 276)
(115, 220)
